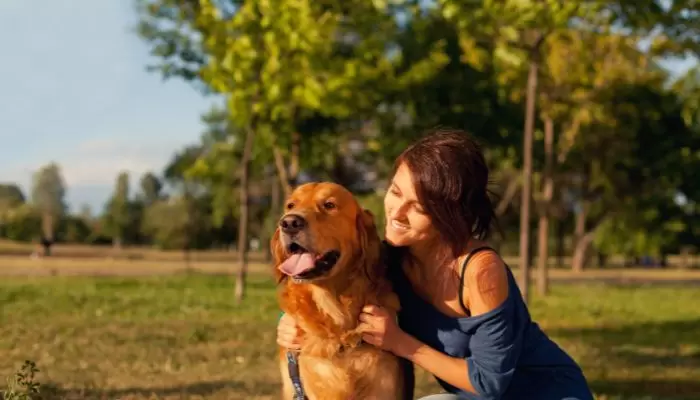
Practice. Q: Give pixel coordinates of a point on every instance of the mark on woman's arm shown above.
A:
(487, 282)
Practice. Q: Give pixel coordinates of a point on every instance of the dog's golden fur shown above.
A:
(334, 363)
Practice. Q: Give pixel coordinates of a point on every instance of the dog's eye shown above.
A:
(329, 205)
(290, 205)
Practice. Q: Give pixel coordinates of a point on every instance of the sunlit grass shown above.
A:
(181, 336)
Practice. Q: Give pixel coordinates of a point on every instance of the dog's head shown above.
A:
(324, 234)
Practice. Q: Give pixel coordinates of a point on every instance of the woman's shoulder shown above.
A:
(485, 279)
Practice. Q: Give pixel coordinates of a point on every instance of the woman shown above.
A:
(463, 318)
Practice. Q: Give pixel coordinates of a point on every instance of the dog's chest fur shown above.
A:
(332, 307)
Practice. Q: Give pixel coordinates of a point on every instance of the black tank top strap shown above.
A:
(461, 276)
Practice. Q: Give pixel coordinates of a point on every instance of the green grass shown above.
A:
(181, 336)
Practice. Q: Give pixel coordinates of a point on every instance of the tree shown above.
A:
(150, 188)
(672, 23)
(516, 30)
(638, 166)
(547, 190)
(566, 90)
(172, 224)
(10, 196)
(573, 96)
(48, 193)
(117, 214)
(279, 64)
(22, 223)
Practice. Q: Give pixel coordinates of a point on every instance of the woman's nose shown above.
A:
(397, 211)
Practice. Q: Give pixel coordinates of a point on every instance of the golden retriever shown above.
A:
(327, 260)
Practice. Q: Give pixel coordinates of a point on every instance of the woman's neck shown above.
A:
(430, 254)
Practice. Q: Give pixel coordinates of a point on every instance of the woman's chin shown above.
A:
(395, 239)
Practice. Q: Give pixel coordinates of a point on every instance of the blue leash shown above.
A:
(293, 365)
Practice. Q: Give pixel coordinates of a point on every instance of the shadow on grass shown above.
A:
(647, 346)
(227, 389)
(643, 389)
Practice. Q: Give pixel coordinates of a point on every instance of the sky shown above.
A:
(74, 90)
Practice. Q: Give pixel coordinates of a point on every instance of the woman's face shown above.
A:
(406, 222)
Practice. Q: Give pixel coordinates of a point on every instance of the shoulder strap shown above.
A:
(461, 276)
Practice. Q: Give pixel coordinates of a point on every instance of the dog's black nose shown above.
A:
(292, 224)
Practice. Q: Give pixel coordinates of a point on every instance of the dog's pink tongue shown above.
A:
(297, 263)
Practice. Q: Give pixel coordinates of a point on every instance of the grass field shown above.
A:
(180, 337)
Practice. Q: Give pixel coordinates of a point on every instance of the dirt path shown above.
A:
(26, 267)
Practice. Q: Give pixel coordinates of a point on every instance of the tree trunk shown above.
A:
(526, 192)
(508, 196)
(282, 170)
(685, 258)
(288, 176)
(547, 193)
(239, 291)
(294, 166)
(602, 260)
(189, 234)
(47, 225)
(580, 256)
(560, 243)
(578, 259)
(275, 208)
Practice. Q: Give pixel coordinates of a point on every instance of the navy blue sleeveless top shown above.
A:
(507, 354)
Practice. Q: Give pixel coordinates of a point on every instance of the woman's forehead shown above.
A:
(404, 180)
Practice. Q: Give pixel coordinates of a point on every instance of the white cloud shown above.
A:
(99, 161)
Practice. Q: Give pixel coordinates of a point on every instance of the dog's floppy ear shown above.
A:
(277, 255)
(370, 245)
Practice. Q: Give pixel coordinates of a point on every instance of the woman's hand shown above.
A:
(379, 328)
(289, 334)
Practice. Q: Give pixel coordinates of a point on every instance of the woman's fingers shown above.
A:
(366, 318)
(371, 309)
(288, 333)
(286, 339)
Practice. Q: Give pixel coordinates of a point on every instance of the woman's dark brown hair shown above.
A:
(450, 175)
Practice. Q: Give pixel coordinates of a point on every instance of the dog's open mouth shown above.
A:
(303, 265)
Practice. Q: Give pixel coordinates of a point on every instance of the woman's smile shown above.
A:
(401, 227)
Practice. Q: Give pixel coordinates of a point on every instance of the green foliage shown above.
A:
(167, 223)
(639, 168)
(672, 22)
(73, 229)
(177, 223)
(10, 196)
(374, 203)
(151, 188)
(22, 223)
(335, 90)
(48, 190)
(48, 196)
(118, 216)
